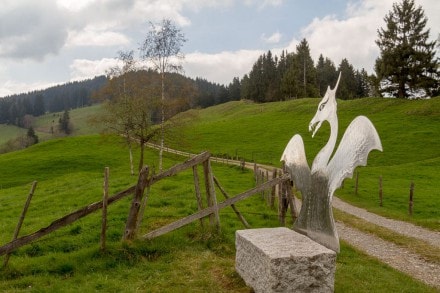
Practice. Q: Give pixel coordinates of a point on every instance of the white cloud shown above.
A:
(220, 67)
(261, 4)
(83, 68)
(95, 37)
(31, 30)
(10, 87)
(354, 36)
(275, 38)
(74, 6)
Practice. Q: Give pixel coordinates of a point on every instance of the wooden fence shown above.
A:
(145, 180)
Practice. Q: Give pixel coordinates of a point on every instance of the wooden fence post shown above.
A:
(273, 192)
(104, 208)
(198, 193)
(130, 226)
(256, 174)
(21, 219)
(411, 194)
(214, 218)
(380, 191)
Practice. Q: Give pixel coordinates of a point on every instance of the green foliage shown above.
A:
(64, 124)
(407, 62)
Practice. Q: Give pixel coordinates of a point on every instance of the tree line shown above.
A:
(294, 75)
(19, 109)
(406, 68)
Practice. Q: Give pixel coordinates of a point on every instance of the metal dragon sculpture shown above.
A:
(317, 185)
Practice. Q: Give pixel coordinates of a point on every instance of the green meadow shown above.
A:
(409, 131)
(70, 170)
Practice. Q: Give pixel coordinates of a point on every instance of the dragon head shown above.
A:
(326, 108)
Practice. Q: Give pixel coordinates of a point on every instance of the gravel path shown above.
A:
(397, 257)
(391, 254)
(404, 228)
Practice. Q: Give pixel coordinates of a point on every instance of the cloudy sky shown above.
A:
(47, 42)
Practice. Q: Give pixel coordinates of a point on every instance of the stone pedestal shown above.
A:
(282, 260)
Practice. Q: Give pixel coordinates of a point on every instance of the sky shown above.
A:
(49, 42)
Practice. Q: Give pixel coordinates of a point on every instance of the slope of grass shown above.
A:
(8, 132)
(78, 117)
(191, 259)
(409, 131)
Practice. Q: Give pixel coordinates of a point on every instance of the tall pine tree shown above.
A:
(407, 65)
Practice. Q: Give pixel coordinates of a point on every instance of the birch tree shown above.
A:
(162, 51)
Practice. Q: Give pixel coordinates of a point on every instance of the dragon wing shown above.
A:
(359, 139)
(294, 157)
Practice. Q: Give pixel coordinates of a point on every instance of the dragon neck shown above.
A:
(322, 158)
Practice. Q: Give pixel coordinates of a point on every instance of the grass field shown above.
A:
(409, 131)
(191, 259)
(9, 132)
(70, 173)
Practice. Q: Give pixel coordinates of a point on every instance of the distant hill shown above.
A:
(70, 95)
(14, 109)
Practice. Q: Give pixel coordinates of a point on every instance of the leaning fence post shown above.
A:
(210, 191)
(104, 208)
(411, 193)
(225, 194)
(130, 226)
(20, 221)
(198, 193)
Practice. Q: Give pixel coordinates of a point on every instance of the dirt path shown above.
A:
(404, 228)
(391, 254)
(397, 257)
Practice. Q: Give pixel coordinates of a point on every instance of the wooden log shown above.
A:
(62, 222)
(131, 224)
(239, 215)
(214, 218)
(198, 193)
(104, 208)
(209, 210)
(180, 167)
(21, 219)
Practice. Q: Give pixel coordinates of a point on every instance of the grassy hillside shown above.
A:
(409, 131)
(8, 132)
(44, 124)
(191, 259)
